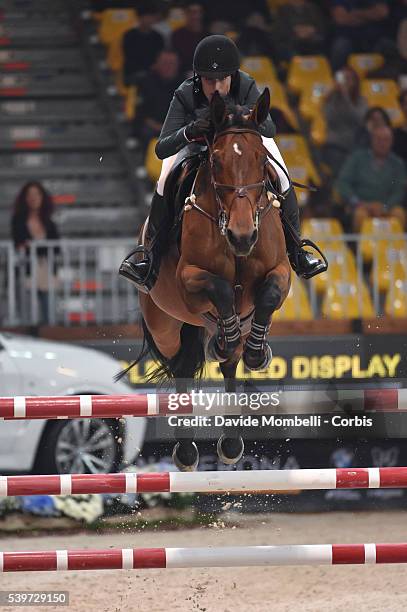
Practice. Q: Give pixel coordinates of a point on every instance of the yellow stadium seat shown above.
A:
(341, 268)
(347, 301)
(131, 102)
(318, 130)
(176, 18)
(376, 234)
(304, 70)
(363, 63)
(296, 306)
(278, 99)
(396, 300)
(301, 175)
(114, 23)
(261, 68)
(330, 229)
(152, 163)
(380, 92)
(295, 152)
(311, 99)
(389, 266)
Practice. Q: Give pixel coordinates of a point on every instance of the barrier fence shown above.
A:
(233, 556)
(164, 404)
(84, 287)
(250, 481)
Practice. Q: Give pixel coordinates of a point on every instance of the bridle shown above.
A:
(240, 191)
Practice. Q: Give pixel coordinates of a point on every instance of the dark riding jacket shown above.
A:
(185, 107)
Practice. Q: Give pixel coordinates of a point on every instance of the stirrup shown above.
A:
(319, 266)
(128, 269)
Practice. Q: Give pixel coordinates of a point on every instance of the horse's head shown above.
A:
(238, 165)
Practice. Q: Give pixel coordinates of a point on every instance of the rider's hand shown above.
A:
(198, 128)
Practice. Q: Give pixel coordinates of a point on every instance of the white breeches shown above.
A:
(268, 143)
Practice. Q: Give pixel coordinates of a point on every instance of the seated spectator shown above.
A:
(400, 134)
(358, 27)
(256, 37)
(394, 64)
(31, 221)
(142, 44)
(299, 29)
(372, 181)
(374, 118)
(343, 109)
(227, 15)
(185, 39)
(155, 94)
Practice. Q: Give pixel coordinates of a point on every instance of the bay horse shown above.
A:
(217, 290)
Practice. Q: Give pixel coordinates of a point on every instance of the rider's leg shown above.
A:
(142, 265)
(302, 261)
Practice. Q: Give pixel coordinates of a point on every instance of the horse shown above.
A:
(220, 284)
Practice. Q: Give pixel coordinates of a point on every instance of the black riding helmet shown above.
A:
(216, 56)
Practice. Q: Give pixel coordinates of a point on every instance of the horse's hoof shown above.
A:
(257, 360)
(214, 352)
(185, 456)
(230, 450)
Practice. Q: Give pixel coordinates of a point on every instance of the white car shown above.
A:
(30, 366)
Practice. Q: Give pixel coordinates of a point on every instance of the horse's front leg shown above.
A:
(202, 291)
(257, 353)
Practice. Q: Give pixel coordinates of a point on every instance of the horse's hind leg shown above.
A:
(185, 454)
(230, 445)
(257, 353)
(167, 337)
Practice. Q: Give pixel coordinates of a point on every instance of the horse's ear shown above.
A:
(261, 110)
(217, 109)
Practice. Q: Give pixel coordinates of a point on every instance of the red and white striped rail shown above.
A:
(233, 556)
(152, 404)
(259, 481)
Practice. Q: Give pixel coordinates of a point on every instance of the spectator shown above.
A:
(372, 181)
(155, 93)
(400, 134)
(375, 117)
(256, 37)
(142, 44)
(343, 110)
(31, 221)
(359, 26)
(185, 39)
(299, 29)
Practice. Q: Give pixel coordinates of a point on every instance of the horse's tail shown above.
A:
(189, 362)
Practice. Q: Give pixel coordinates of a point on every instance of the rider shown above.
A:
(216, 68)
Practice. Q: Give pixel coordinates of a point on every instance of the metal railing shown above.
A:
(76, 282)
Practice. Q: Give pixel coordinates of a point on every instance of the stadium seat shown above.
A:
(114, 23)
(152, 163)
(342, 268)
(295, 152)
(347, 301)
(318, 130)
(175, 18)
(363, 63)
(296, 306)
(389, 266)
(396, 300)
(304, 70)
(261, 68)
(316, 229)
(376, 234)
(378, 92)
(311, 99)
(278, 99)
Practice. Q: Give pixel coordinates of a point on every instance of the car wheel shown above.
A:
(80, 446)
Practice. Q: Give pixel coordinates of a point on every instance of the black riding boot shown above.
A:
(142, 265)
(303, 262)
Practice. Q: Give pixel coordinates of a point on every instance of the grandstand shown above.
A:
(67, 119)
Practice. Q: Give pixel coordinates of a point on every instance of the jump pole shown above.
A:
(155, 405)
(248, 481)
(234, 556)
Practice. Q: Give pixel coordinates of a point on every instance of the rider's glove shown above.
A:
(197, 129)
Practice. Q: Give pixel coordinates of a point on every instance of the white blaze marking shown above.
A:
(236, 149)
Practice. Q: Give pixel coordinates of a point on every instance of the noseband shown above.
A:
(240, 191)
